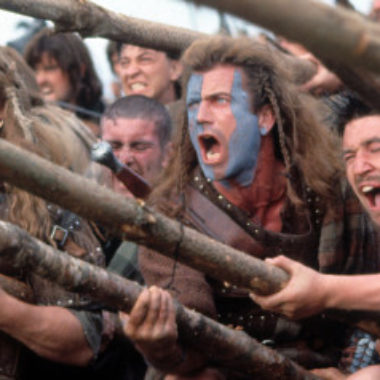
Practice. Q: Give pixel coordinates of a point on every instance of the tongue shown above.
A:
(377, 199)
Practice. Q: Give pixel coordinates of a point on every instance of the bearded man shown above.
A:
(258, 171)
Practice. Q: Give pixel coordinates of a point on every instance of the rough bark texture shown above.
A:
(227, 347)
(133, 221)
(337, 33)
(91, 20)
(345, 41)
(344, 37)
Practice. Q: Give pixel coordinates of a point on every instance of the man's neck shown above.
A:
(169, 95)
(263, 199)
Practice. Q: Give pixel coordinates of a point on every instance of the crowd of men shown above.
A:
(230, 147)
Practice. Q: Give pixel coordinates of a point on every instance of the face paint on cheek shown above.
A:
(193, 99)
(244, 144)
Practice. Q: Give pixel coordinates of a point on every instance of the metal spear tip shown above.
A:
(102, 153)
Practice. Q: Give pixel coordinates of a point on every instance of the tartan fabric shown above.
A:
(348, 241)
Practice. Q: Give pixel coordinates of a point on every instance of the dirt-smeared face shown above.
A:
(136, 144)
(361, 153)
(223, 130)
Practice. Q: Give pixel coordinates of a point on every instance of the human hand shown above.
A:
(302, 296)
(330, 373)
(152, 327)
(324, 81)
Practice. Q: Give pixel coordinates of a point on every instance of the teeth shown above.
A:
(137, 86)
(46, 90)
(210, 155)
(367, 189)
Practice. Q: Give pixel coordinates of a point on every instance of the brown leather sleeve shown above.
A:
(187, 285)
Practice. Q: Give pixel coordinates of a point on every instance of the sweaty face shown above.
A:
(147, 72)
(53, 82)
(136, 144)
(222, 128)
(361, 152)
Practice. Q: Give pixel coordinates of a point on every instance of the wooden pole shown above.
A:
(339, 37)
(90, 19)
(134, 221)
(225, 346)
(342, 35)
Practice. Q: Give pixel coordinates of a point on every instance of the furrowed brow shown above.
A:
(371, 141)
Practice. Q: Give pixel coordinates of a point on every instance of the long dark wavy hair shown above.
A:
(73, 57)
(305, 145)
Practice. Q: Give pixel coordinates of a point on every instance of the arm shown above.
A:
(50, 331)
(309, 292)
(324, 81)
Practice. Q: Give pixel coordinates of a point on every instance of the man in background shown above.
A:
(150, 72)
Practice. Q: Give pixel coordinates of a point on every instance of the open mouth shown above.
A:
(46, 91)
(137, 86)
(372, 194)
(211, 148)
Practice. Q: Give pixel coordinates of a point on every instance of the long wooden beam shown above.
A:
(225, 346)
(134, 221)
(340, 34)
(90, 19)
(339, 37)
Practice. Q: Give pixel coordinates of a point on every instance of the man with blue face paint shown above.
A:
(254, 168)
(239, 160)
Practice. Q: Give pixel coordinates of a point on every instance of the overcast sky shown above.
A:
(174, 12)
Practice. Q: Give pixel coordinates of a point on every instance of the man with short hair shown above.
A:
(149, 72)
(309, 292)
(139, 131)
(260, 173)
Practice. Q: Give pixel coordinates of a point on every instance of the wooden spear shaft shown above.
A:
(133, 221)
(338, 33)
(90, 19)
(227, 347)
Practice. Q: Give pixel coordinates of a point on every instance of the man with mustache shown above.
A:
(254, 168)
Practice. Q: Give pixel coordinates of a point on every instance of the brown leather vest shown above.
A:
(209, 212)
